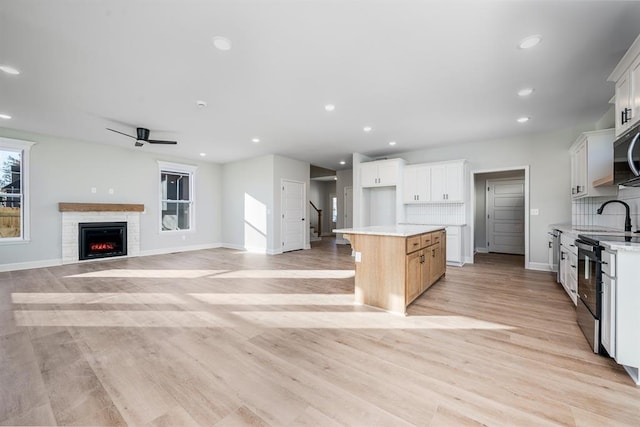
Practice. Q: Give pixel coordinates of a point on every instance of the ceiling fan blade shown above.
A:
(157, 141)
(121, 133)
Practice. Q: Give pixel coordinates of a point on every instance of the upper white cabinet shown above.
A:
(380, 173)
(434, 182)
(592, 159)
(626, 76)
(446, 182)
(417, 184)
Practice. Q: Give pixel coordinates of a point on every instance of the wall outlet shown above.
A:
(535, 212)
(184, 237)
(358, 256)
(111, 191)
(94, 190)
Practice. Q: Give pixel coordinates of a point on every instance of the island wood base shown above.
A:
(392, 271)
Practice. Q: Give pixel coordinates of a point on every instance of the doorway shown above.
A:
(505, 216)
(500, 213)
(294, 209)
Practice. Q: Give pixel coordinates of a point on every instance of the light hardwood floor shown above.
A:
(220, 337)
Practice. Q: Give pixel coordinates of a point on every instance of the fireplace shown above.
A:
(102, 239)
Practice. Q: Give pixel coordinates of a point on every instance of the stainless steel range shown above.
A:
(588, 309)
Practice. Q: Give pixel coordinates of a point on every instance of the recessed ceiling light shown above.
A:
(203, 154)
(523, 119)
(5, 116)
(9, 70)
(367, 128)
(200, 103)
(222, 43)
(529, 42)
(255, 140)
(525, 92)
(329, 107)
(342, 162)
(392, 143)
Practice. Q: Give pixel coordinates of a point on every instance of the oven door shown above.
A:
(589, 276)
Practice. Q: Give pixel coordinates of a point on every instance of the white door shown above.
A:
(348, 207)
(505, 216)
(293, 215)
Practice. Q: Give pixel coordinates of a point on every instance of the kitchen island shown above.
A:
(396, 264)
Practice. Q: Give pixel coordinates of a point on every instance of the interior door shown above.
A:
(293, 215)
(348, 207)
(505, 216)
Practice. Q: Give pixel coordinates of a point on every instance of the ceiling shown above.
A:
(419, 73)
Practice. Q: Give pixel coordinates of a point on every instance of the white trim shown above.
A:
(526, 207)
(181, 169)
(24, 147)
(31, 264)
(468, 260)
(539, 266)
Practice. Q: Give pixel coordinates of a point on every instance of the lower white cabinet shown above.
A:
(569, 266)
(454, 245)
(607, 318)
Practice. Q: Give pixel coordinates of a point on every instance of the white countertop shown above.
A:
(401, 230)
(434, 225)
(575, 230)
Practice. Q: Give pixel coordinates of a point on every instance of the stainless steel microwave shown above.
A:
(626, 158)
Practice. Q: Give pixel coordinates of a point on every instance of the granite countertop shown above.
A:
(401, 230)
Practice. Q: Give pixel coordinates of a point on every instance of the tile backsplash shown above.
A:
(435, 214)
(583, 211)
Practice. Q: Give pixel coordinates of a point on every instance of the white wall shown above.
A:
(247, 192)
(252, 193)
(548, 157)
(64, 171)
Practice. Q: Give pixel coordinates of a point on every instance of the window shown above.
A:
(334, 208)
(14, 201)
(176, 196)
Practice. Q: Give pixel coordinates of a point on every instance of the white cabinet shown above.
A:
(607, 318)
(447, 182)
(416, 184)
(454, 245)
(434, 182)
(380, 173)
(626, 76)
(592, 159)
(569, 266)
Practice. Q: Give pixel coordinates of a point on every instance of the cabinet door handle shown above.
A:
(622, 114)
(550, 245)
(573, 190)
(562, 255)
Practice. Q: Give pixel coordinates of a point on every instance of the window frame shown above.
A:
(178, 168)
(24, 148)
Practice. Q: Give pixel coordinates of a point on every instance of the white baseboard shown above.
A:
(482, 250)
(31, 264)
(163, 251)
(539, 266)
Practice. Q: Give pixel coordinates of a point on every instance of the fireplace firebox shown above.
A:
(102, 239)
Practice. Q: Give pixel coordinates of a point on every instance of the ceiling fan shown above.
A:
(143, 136)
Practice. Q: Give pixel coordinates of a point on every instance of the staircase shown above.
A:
(313, 235)
(316, 235)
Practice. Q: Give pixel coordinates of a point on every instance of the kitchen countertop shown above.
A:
(401, 230)
(575, 230)
(434, 225)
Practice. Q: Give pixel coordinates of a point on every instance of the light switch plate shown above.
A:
(535, 212)
(358, 256)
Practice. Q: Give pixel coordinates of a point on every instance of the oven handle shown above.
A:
(585, 246)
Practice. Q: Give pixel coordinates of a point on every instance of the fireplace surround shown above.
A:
(75, 213)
